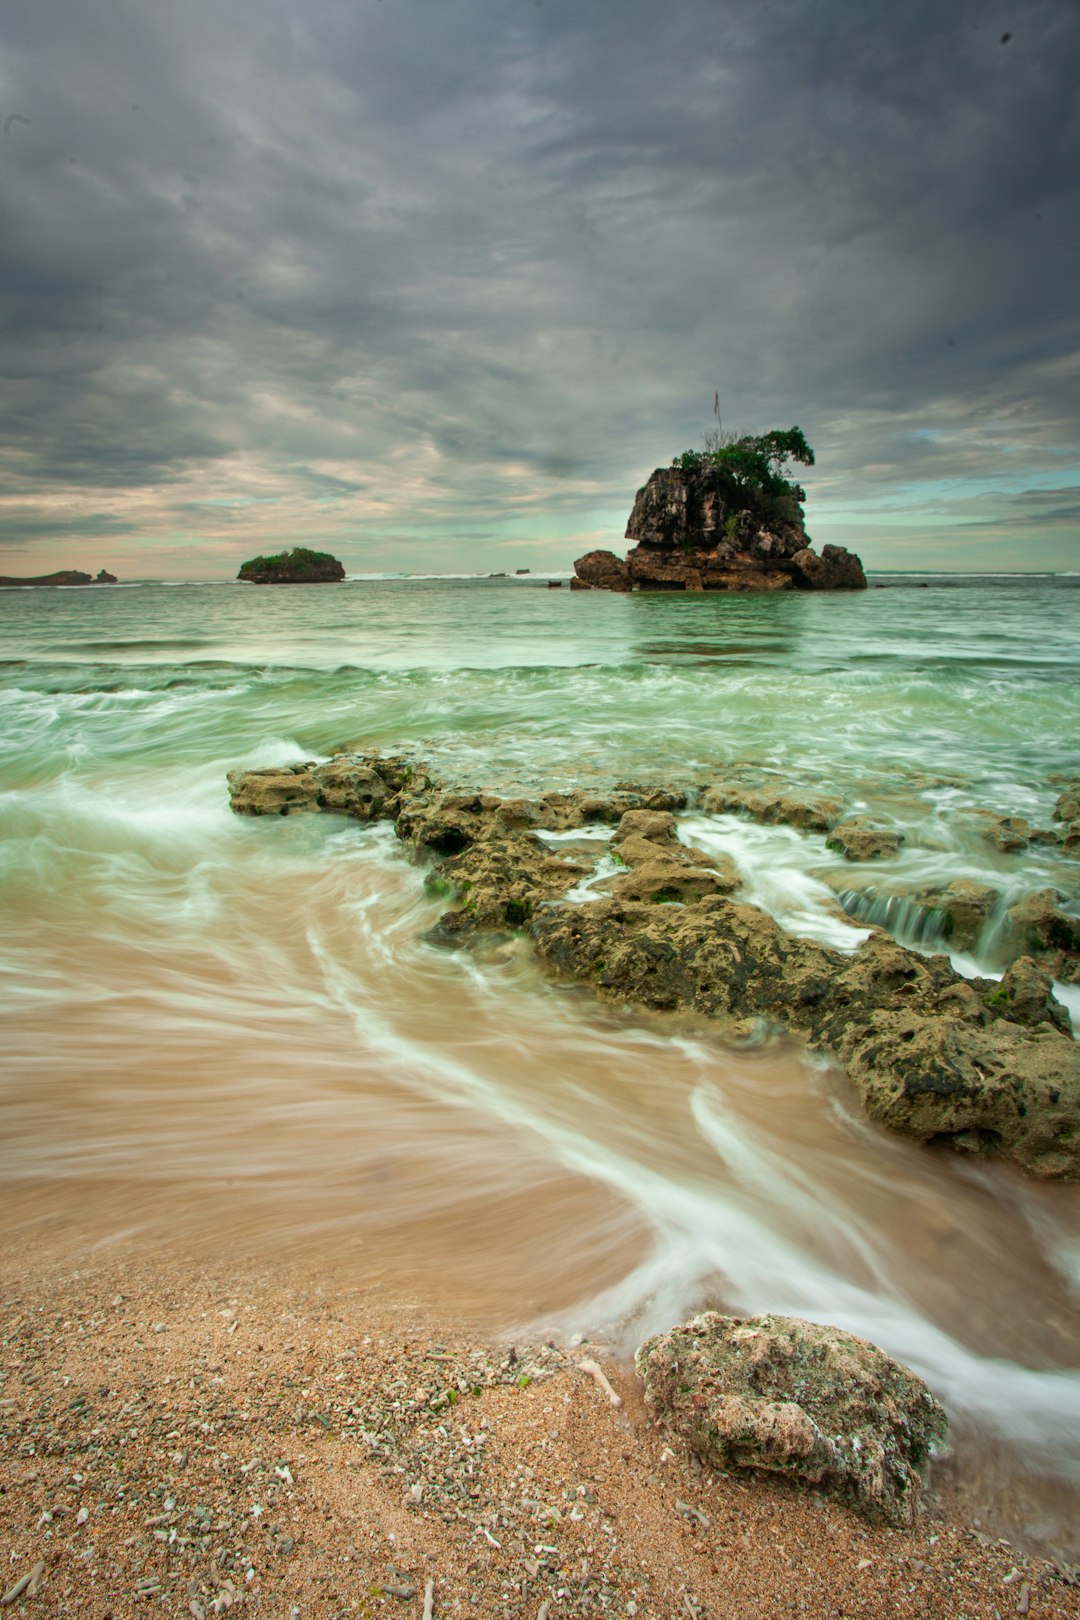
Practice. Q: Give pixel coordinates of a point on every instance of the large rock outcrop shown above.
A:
(696, 531)
(296, 567)
(601, 571)
(979, 1066)
(813, 1403)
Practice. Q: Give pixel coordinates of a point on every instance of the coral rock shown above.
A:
(791, 1397)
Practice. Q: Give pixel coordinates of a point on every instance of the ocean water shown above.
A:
(217, 1026)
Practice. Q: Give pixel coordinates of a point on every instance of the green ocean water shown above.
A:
(189, 992)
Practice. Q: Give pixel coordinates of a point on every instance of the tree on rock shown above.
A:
(297, 567)
(751, 469)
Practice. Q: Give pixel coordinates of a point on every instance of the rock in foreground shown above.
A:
(794, 1398)
(297, 567)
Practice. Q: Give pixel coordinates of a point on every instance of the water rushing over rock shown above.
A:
(262, 1040)
(986, 1068)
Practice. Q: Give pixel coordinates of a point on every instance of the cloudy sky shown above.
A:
(436, 286)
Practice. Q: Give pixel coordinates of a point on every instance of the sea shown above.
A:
(235, 1031)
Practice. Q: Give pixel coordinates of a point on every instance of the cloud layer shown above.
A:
(439, 286)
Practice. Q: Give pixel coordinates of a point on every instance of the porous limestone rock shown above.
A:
(858, 839)
(967, 904)
(956, 912)
(1007, 833)
(836, 569)
(814, 812)
(796, 1398)
(985, 1067)
(1040, 927)
(363, 786)
(659, 868)
(1025, 995)
(927, 1055)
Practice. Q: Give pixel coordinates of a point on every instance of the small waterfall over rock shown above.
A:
(921, 927)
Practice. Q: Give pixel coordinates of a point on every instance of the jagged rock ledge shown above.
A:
(983, 1066)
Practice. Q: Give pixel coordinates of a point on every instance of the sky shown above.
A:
(436, 286)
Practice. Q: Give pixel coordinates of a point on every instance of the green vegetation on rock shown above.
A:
(751, 470)
(300, 566)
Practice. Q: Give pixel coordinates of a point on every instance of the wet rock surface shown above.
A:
(836, 569)
(660, 869)
(1025, 995)
(1067, 811)
(819, 1405)
(928, 1052)
(817, 812)
(1041, 927)
(858, 839)
(1067, 807)
(980, 1066)
(365, 787)
(924, 914)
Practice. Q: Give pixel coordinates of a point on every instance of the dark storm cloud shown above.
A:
(28, 530)
(493, 254)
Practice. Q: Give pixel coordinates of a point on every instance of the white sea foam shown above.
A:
(775, 864)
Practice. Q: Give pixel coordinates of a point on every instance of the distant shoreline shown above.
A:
(882, 578)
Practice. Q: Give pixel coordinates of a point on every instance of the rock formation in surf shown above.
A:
(813, 1403)
(726, 519)
(981, 1066)
(296, 567)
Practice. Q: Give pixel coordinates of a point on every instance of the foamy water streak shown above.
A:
(232, 1025)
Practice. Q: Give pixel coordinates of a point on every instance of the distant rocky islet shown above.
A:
(64, 576)
(300, 566)
(723, 519)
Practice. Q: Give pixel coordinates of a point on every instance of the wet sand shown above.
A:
(190, 1430)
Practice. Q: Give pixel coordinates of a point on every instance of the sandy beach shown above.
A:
(189, 1430)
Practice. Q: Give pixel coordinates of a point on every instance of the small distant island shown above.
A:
(296, 567)
(725, 518)
(65, 576)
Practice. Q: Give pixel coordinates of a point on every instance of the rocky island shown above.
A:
(65, 576)
(296, 567)
(724, 519)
